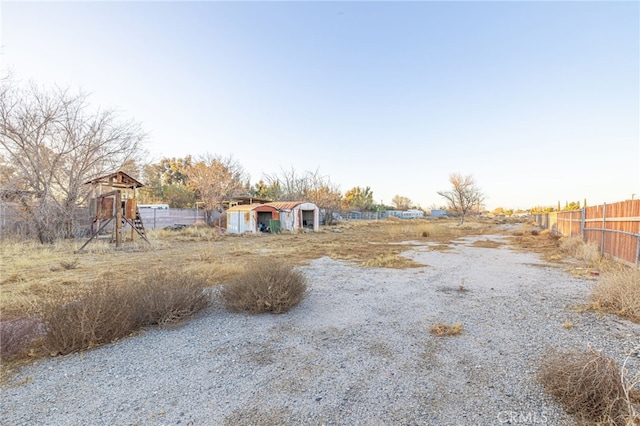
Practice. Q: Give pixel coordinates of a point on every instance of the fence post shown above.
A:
(570, 224)
(638, 252)
(583, 214)
(604, 216)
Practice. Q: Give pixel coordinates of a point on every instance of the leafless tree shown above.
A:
(315, 187)
(324, 194)
(53, 141)
(216, 179)
(463, 195)
(287, 185)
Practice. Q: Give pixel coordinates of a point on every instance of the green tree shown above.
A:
(401, 203)
(216, 179)
(573, 205)
(358, 198)
(167, 182)
(264, 190)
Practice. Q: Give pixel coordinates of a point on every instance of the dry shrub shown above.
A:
(575, 247)
(441, 329)
(618, 292)
(590, 385)
(18, 335)
(266, 286)
(109, 311)
(165, 297)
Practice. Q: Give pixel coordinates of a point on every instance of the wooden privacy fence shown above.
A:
(615, 228)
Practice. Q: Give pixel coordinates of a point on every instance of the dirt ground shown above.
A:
(357, 350)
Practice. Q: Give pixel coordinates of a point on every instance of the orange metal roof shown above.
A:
(285, 205)
(249, 207)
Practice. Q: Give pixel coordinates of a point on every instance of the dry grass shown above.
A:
(591, 386)
(391, 261)
(35, 278)
(26, 279)
(618, 292)
(440, 329)
(487, 244)
(542, 242)
(576, 248)
(266, 286)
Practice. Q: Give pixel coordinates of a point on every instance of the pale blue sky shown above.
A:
(538, 100)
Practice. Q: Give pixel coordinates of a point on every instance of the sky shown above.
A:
(538, 100)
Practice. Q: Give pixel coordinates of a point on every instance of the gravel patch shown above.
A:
(356, 351)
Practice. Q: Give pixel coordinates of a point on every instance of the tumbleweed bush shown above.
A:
(618, 292)
(265, 286)
(108, 311)
(590, 385)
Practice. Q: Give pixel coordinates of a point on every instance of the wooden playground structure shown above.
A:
(113, 199)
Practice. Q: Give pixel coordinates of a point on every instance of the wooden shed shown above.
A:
(297, 215)
(250, 218)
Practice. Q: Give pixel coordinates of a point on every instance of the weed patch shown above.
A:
(389, 260)
(618, 292)
(576, 248)
(440, 329)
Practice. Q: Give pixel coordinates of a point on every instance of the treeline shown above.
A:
(53, 141)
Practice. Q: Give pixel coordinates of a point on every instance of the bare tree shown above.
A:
(324, 194)
(54, 142)
(216, 179)
(315, 187)
(463, 195)
(287, 185)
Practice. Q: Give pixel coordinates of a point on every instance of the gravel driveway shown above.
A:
(356, 351)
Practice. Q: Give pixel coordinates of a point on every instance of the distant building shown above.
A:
(412, 214)
(438, 213)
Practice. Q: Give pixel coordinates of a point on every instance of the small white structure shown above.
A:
(250, 218)
(412, 214)
(297, 215)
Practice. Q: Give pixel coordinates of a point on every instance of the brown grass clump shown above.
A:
(440, 329)
(618, 292)
(266, 286)
(591, 386)
(575, 247)
(107, 312)
(389, 260)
